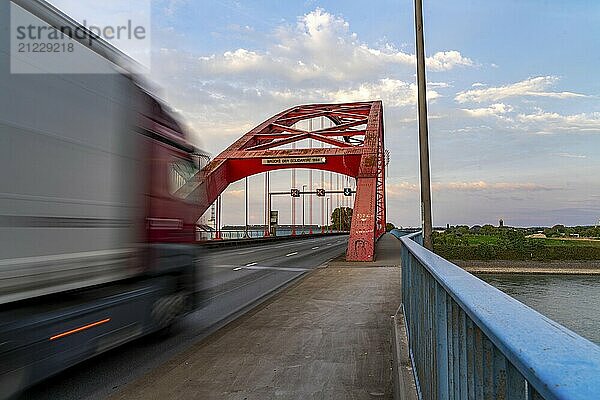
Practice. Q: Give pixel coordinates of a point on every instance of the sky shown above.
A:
(513, 97)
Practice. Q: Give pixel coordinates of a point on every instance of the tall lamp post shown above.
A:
(246, 195)
(303, 201)
(423, 131)
(327, 214)
(218, 219)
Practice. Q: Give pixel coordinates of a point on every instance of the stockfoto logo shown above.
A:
(117, 35)
(87, 33)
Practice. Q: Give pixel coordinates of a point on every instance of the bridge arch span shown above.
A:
(357, 150)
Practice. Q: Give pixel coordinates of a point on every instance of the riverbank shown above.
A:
(514, 244)
(578, 267)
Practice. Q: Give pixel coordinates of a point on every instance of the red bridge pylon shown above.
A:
(357, 141)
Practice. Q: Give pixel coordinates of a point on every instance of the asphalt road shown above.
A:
(234, 280)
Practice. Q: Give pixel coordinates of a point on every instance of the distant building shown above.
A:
(501, 223)
(537, 235)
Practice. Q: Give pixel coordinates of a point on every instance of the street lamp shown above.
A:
(423, 128)
(303, 201)
(246, 217)
(327, 214)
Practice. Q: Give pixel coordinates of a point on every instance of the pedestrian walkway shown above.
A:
(387, 254)
(326, 337)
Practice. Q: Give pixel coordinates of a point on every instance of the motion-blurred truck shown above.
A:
(96, 242)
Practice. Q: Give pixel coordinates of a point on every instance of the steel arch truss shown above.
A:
(357, 150)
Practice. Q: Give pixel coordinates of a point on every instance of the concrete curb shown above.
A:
(404, 379)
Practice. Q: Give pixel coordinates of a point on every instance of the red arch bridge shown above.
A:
(356, 140)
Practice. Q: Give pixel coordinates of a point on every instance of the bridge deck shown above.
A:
(326, 337)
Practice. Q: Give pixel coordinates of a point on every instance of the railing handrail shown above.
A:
(556, 361)
(412, 236)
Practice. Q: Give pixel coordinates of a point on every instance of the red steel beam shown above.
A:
(364, 161)
(342, 126)
(281, 135)
(275, 143)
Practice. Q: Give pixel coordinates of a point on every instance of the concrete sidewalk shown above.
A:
(326, 337)
(387, 254)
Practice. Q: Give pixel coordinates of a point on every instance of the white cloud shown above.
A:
(172, 6)
(438, 85)
(469, 129)
(235, 193)
(495, 110)
(551, 122)
(238, 61)
(446, 60)
(318, 59)
(534, 120)
(536, 87)
(321, 45)
(569, 155)
(394, 93)
(487, 186)
(400, 189)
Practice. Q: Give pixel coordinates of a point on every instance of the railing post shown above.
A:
(499, 375)
(532, 394)
(442, 343)
(455, 350)
(488, 369)
(470, 343)
(462, 356)
(478, 359)
(515, 383)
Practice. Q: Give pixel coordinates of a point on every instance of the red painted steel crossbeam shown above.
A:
(357, 141)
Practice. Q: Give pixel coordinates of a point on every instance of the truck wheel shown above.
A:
(167, 309)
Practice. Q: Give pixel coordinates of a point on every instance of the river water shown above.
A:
(571, 300)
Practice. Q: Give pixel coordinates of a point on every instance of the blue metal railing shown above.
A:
(469, 340)
(415, 236)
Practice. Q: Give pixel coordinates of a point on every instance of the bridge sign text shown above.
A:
(294, 160)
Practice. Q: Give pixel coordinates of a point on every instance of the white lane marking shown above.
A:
(251, 264)
(291, 254)
(247, 252)
(280, 268)
(314, 248)
(258, 267)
